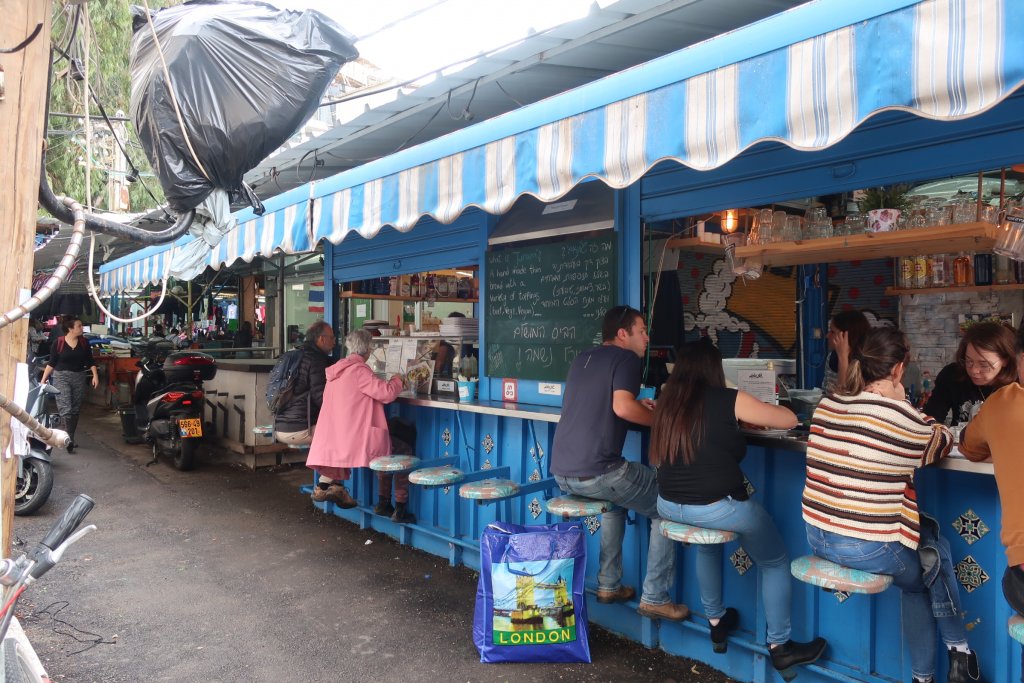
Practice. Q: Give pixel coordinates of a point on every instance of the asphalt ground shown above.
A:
(225, 574)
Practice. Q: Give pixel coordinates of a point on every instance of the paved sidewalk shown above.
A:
(223, 574)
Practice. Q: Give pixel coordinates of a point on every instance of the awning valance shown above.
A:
(940, 59)
(283, 228)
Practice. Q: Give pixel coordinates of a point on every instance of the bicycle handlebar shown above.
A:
(68, 522)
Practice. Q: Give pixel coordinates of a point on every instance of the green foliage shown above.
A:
(884, 197)
(110, 39)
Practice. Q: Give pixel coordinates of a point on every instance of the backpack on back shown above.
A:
(281, 383)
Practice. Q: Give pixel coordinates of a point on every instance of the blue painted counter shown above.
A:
(863, 631)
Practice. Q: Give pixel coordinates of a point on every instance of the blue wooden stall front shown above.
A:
(515, 440)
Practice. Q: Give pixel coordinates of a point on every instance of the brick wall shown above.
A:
(930, 321)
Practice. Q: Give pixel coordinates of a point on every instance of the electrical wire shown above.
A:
(170, 90)
(124, 152)
(399, 20)
(502, 89)
(95, 297)
(74, 32)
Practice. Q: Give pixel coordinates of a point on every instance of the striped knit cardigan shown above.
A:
(861, 457)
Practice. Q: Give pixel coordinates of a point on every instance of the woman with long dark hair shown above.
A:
(845, 332)
(697, 446)
(860, 504)
(70, 358)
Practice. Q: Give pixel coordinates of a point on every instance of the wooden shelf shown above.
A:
(695, 244)
(897, 291)
(940, 239)
(358, 295)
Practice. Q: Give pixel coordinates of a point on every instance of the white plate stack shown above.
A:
(460, 327)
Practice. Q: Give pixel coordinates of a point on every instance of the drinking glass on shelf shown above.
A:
(918, 220)
(792, 231)
(937, 215)
(990, 214)
(857, 223)
(963, 210)
(778, 226)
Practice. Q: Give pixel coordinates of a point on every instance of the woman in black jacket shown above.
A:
(295, 421)
(70, 358)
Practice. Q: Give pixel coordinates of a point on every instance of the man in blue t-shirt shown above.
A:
(586, 460)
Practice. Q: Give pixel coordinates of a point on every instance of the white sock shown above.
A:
(714, 622)
(963, 647)
(326, 480)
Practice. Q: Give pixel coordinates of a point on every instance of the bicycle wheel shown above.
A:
(15, 668)
(33, 486)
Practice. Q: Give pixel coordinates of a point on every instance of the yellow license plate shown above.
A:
(190, 427)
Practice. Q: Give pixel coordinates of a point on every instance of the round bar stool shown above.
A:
(489, 489)
(1016, 628)
(572, 506)
(684, 533)
(436, 476)
(834, 577)
(394, 463)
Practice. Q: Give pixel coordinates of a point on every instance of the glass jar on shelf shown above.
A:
(983, 269)
(963, 274)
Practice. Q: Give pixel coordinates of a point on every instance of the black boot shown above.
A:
(963, 667)
(791, 653)
(720, 632)
(402, 515)
(70, 425)
(383, 507)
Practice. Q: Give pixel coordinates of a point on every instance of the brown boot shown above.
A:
(670, 611)
(621, 594)
(339, 495)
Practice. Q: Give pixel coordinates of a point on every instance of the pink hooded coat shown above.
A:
(352, 429)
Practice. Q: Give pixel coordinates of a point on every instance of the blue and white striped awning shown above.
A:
(804, 78)
(284, 228)
(777, 80)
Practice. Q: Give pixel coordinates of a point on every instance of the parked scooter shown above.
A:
(169, 400)
(35, 472)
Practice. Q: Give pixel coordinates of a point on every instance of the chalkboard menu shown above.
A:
(545, 304)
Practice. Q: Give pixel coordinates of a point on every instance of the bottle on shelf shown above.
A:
(920, 272)
(414, 286)
(962, 275)
(1004, 270)
(905, 272)
(983, 269)
(939, 267)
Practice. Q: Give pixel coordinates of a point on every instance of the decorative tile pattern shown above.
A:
(748, 486)
(537, 454)
(487, 465)
(535, 475)
(841, 596)
(446, 490)
(593, 523)
(488, 444)
(446, 436)
(970, 527)
(970, 574)
(535, 508)
(741, 562)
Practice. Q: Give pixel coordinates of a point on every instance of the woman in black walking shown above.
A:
(70, 358)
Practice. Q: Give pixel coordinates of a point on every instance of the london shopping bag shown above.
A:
(530, 604)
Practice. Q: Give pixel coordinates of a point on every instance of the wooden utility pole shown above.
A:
(22, 130)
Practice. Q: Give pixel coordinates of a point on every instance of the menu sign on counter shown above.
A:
(760, 383)
(545, 304)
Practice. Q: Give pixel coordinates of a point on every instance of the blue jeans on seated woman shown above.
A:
(761, 540)
(904, 566)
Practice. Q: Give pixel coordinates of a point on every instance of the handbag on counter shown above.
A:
(530, 601)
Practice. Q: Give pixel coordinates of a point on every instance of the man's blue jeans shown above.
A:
(759, 537)
(633, 486)
(904, 566)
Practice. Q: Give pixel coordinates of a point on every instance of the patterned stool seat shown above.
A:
(816, 571)
(299, 446)
(489, 489)
(571, 507)
(695, 534)
(436, 476)
(394, 463)
(263, 430)
(1016, 628)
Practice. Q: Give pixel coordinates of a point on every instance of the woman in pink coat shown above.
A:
(353, 430)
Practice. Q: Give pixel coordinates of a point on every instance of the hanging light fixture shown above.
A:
(730, 221)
